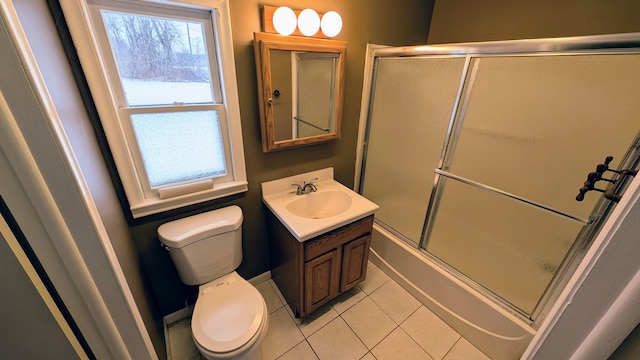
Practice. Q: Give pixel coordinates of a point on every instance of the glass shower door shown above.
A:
(528, 130)
(409, 121)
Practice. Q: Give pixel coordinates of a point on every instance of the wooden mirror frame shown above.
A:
(263, 43)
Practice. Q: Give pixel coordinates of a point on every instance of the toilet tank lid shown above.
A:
(185, 231)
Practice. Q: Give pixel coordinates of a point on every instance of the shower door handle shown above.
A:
(617, 181)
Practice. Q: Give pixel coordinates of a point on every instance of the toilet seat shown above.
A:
(228, 314)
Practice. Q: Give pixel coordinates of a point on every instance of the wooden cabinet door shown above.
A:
(354, 262)
(322, 280)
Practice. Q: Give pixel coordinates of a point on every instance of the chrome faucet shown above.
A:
(306, 187)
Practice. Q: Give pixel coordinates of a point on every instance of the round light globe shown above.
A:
(331, 24)
(284, 20)
(308, 22)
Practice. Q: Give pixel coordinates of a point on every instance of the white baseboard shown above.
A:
(260, 278)
(178, 315)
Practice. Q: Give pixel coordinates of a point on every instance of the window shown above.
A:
(162, 76)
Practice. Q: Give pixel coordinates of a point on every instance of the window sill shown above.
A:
(157, 205)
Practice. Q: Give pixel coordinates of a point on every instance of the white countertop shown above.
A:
(277, 194)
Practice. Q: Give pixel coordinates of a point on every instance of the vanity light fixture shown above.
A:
(331, 24)
(308, 22)
(284, 20)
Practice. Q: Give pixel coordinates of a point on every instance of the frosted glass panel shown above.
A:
(509, 247)
(159, 60)
(536, 126)
(530, 125)
(180, 146)
(412, 104)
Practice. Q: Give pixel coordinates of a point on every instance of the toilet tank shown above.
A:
(206, 246)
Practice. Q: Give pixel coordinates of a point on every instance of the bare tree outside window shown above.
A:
(151, 52)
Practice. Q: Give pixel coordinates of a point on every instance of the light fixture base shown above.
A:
(267, 17)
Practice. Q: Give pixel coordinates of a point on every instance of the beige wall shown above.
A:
(401, 22)
(469, 20)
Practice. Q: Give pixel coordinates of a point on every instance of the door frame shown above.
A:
(44, 187)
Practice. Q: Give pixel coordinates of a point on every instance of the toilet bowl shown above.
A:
(230, 317)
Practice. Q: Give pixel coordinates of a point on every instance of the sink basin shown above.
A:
(318, 205)
(333, 205)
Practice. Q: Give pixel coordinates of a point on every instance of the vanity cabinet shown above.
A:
(309, 274)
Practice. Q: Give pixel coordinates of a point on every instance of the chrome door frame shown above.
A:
(584, 45)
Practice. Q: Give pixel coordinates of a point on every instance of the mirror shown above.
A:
(300, 89)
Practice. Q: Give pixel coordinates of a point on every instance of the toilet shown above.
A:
(230, 317)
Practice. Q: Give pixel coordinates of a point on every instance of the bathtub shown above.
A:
(498, 333)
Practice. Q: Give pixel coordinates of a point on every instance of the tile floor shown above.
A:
(376, 320)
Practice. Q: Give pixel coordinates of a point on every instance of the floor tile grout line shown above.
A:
(397, 325)
(332, 308)
(420, 346)
(292, 317)
(303, 334)
(339, 315)
(452, 346)
(368, 352)
(377, 287)
(389, 315)
(286, 352)
(276, 290)
(361, 340)
(352, 305)
(312, 349)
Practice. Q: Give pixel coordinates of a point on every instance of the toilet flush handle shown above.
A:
(164, 246)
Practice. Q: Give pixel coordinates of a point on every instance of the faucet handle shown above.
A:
(311, 181)
(298, 189)
(312, 188)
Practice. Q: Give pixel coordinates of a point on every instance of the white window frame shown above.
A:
(85, 25)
